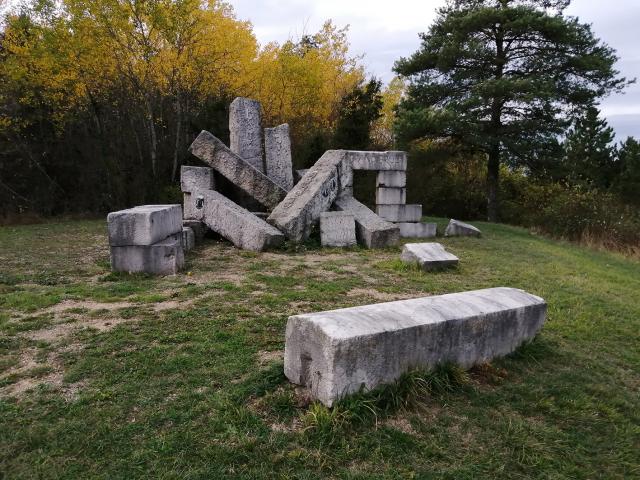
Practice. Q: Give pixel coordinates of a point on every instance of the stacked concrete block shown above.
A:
(378, 161)
(236, 224)
(339, 352)
(392, 179)
(234, 168)
(337, 229)
(279, 166)
(245, 128)
(417, 230)
(461, 229)
(400, 213)
(428, 256)
(391, 196)
(147, 239)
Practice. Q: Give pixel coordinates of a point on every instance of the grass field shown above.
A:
(114, 376)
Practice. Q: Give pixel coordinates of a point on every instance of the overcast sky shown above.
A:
(384, 31)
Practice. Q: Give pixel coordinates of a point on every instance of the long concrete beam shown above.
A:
(241, 227)
(336, 353)
(371, 230)
(254, 183)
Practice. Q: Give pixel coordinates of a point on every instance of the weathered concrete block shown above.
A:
(277, 146)
(429, 256)
(371, 230)
(392, 178)
(299, 174)
(461, 229)
(391, 196)
(188, 239)
(256, 184)
(417, 230)
(338, 352)
(199, 229)
(162, 258)
(313, 195)
(337, 229)
(400, 213)
(239, 226)
(144, 225)
(196, 178)
(245, 128)
(378, 160)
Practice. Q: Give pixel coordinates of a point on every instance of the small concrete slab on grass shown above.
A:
(337, 229)
(429, 256)
(457, 228)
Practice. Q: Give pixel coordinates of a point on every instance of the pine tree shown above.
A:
(628, 182)
(503, 77)
(590, 157)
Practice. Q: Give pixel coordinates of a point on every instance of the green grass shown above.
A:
(114, 376)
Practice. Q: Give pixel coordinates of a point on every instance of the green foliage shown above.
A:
(590, 155)
(627, 185)
(358, 112)
(500, 77)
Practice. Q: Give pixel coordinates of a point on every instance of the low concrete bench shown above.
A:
(338, 352)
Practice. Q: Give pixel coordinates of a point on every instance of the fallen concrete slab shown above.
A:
(236, 224)
(429, 256)
(312, 195)
(143, 225)
(338, 352)
(162, 258)
(461, 229)
(400, 213)
(254, 183)
(417, 230)
(196, 178)
(337, 229)
(371, 230)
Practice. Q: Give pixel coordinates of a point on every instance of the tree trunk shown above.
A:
(493, 182)
(153, 137)
(176, 149)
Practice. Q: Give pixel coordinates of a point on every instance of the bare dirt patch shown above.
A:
(373, 293)
(66, 305)
(401, 424)
(265, 358)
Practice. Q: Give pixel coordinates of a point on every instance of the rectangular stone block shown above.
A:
(144, 225)
(457, 228)
(337, 229)
(391, 196)
(239, 226)
(313, 195)
(429, 256)
(371, 230)
(378, 160)
(188, 239)
(392, 178)
(245, 129)
(417, 230)
(338, 352)
(254, 183)
(199, 229)
(400, 213)
(162, 258)
(278, 156)
(196, 178)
